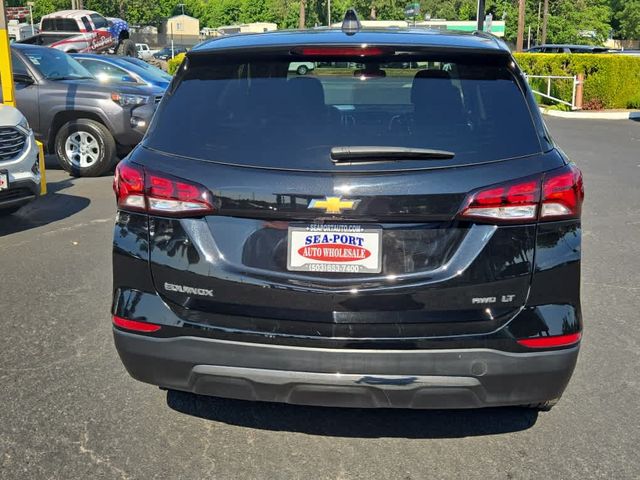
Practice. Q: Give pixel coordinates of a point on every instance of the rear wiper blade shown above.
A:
(350, 154)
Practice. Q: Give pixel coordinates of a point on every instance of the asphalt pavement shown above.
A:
(68, 409)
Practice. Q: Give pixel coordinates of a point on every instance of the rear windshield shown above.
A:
(288, 112)
(60, 25)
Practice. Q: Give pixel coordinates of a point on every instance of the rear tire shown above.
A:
(85, 148)
(302, 70)
(126, 48)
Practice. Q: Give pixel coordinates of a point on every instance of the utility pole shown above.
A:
(520, 39)
(329, 13)
(302, 20)
(480, 15)
(545, 18)
(31, 5)
(538, 23)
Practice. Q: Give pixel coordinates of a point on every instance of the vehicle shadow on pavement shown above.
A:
(52, 207)
(351, 422)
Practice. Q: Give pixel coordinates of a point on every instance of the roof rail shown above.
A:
(489, 36)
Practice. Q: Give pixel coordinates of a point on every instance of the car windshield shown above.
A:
(56, 65)
(145, 70)
(295, 110)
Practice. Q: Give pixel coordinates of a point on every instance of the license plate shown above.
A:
(334, 248)
(4, 180)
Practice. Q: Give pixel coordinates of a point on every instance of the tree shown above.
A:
(629, 20)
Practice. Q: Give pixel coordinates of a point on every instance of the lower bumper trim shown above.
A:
(444, 379)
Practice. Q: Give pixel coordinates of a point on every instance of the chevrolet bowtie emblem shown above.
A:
(333, 204)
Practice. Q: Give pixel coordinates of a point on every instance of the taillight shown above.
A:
(562, 194)
(551, 342)
(128, 185)
(505, 203)
(555, 196)
(139, 189)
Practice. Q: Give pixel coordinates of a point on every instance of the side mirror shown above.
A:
(23, 79)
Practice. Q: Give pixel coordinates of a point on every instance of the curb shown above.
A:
(582, 115)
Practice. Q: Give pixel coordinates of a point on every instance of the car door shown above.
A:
(26, 91)
(103, 38)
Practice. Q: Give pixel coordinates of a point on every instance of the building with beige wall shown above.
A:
(182, 25)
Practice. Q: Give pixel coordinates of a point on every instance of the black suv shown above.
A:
(396, 229)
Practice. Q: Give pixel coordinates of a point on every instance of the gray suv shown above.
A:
(87, 124)
(19, 167)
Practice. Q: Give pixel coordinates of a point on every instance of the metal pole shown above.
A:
(480, 15)
(6, 71)
(329, 13)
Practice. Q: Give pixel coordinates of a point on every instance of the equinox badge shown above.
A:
(333, 204)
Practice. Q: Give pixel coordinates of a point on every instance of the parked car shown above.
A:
(338, 240)
(552, 48)
(167, 53)
(143, 51)
(125, 70)
(83, 31)
(634, 53)
(19, 165)
(84, 122)
(302, 68)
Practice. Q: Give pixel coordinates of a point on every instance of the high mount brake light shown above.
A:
(557, 195)
(142, 190)
(359, 51)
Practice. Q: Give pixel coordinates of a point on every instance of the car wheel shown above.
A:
(302, 70)
(8, 211)
(85, 148)
(126, 48)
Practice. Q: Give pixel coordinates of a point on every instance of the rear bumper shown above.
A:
(460, 378)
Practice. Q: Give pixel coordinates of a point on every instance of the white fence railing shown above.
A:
(547, 94)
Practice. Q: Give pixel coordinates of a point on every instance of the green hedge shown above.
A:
(611, 80)
(174, 63)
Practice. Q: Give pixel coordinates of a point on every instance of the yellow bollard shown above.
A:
(43, 171)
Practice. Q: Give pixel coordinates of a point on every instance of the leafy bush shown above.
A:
(174, 63)
(611, 80)
(634, 102)
(593, 104)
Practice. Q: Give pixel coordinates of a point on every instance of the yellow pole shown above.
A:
(6, 72)
(43, 171)
(8, 90)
